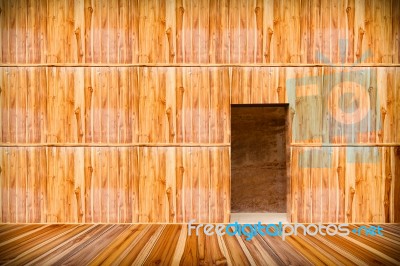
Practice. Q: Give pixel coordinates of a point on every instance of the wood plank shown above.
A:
(72, 245)
(4, 32)
(123, 191)
(13, 31)
(187, 116)
(234, 33)
(94, 244)
(119, 247)
(195, 190)
(8, 231)
(233, 36)
(13, 114)
(396, 188)
(242, 27)
(15, 247)
(89, 252)
(165, 247)
(187, 184)
(134, 183)
(93, 15)
(137, 246)
(44, 246)
(204, 185)
(4, 105)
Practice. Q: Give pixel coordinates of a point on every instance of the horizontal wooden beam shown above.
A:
(305, 145)
(345, 145)
(16, 145)
(200, 65)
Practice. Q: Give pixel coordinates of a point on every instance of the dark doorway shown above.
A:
(259, 158)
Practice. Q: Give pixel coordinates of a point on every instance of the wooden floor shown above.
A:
(81, 244)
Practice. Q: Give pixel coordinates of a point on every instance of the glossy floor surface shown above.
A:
(82, 244)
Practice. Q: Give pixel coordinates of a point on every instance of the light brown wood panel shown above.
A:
(132, 31)
(346, 184)
(115, 184)
(160, 106)
(24, 185)
(191, 104)
(115, 105)
(328, 104)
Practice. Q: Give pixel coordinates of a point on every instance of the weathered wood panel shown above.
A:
(115, 105)
(131, 31)
(329, 104)
(115, 184)
(191, 104)
(346, 184)
(24, 185)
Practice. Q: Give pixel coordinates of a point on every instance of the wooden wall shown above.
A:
(189, 31)
(115, 105)
(114, 184)
(86, 137)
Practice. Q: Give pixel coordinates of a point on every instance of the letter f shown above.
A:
(190, 227)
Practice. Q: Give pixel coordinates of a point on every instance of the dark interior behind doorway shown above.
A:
(259, 154)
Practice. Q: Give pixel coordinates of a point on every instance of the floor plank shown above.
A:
(170, 244)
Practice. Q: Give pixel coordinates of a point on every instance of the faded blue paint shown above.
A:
(335, 128)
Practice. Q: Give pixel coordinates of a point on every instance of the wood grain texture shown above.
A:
(116, 107)
(115, 185)
(330, 105)
(131, 31)
(121, 105)
(171, 245)
(160, 106)
(358, 189)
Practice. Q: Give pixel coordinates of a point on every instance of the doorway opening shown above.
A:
(259, 162)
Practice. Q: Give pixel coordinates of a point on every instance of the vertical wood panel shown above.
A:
(187, 183)
(363, 176)
(134, 183)
(397, 104)
(21, 29)
(113, 105)
(395, 214)
(114, 185)
(234, 33)
(187, 105)
(396, 31)
(3, 32)
(21, 187)
(4, 104)
(13, 31)
(104, 104)
(129, 31)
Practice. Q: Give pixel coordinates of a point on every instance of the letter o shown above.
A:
(359, 93)
(334, 227)
(309, 231)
